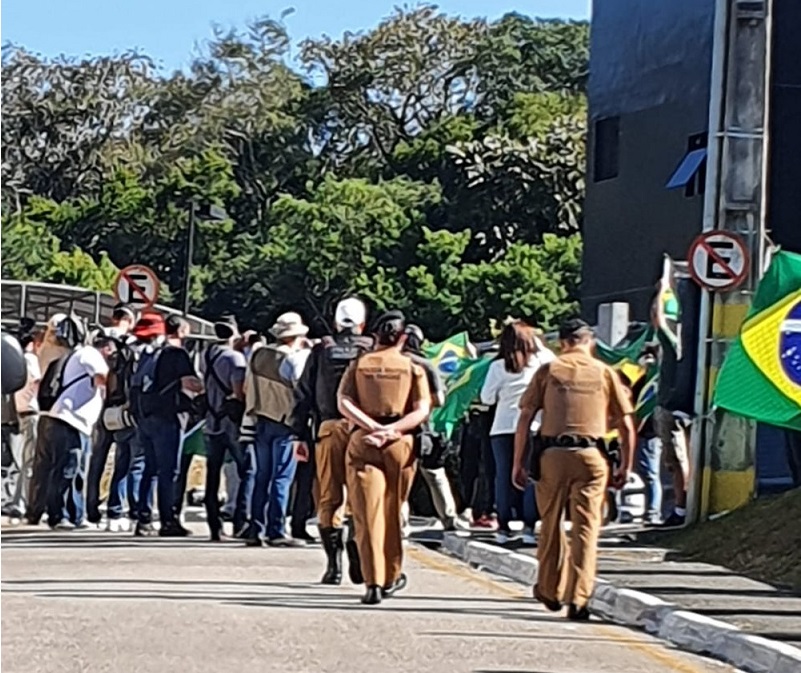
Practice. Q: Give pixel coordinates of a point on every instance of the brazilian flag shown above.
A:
(624, 358)
(462, 389)
(761, 375)
(448, 355)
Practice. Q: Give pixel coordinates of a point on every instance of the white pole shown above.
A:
(717, 95)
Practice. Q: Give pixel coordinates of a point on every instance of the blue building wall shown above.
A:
(650, 65)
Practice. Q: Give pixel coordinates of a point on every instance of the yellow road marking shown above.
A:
(655, 650)
(451, 567)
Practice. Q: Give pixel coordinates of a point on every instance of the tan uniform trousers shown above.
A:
(330, 452)
(580, 476)
(379, 481)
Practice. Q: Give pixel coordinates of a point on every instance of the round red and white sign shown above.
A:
(137, 285)
(719, 260)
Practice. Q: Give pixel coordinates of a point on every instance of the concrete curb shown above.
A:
(687, 630)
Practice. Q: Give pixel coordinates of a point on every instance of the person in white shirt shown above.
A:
(521, 355)
(27, 407)
(74, 415)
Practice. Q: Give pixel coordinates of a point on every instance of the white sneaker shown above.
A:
(461, 523)
(528, 536)
(88, 525)
(64, 525)
(121, 525)
(502, 537)
(14, 521)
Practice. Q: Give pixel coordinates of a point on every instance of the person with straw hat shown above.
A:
(269, 385)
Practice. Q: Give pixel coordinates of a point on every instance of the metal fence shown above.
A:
(40, 301)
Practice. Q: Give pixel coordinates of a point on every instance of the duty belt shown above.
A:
(381, 420)
(387, 420)
(571, 441)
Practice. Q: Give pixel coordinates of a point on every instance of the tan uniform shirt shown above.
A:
(578, 395)
(385, 384)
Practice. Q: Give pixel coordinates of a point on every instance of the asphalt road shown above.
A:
(96, 602)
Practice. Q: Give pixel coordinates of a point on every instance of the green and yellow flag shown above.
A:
(761, 375)
(462, 389)
(448, 355)
(624, 357)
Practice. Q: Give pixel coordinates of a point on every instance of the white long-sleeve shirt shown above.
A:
(506, 388)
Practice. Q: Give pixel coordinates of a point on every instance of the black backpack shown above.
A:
(144, 397)
(121, 364)
(53, 385)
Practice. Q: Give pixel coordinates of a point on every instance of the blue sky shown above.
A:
(169, 30)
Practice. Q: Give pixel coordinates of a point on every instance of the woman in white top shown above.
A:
(521, 355)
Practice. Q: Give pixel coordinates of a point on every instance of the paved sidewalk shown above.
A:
(756, 608)
(699, 607)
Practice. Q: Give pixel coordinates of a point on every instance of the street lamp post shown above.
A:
(204, 212)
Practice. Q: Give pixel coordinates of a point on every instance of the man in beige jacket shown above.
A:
(272, 373)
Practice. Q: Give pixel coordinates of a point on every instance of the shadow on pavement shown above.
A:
(312, 598)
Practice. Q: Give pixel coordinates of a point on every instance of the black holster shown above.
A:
(536, 448)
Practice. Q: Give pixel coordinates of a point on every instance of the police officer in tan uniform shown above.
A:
(578, 395)
(386, 397)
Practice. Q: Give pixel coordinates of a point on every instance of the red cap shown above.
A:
(149, 326)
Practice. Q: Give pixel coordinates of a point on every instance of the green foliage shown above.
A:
(31, 252)
(432, 163)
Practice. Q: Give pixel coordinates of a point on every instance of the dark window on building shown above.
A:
(691, 171)
(607, 149)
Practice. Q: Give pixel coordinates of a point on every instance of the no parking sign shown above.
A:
(718, 260)
(137, 285)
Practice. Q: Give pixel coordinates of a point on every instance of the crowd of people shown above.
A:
(333, 429)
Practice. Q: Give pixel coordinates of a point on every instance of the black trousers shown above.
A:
(97, 465)
(42, 466)
(303, 507)
(216, 448)
(477, 465)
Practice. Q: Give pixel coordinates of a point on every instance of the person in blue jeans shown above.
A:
(126, 481)
(163, 374)
(649, 467)
(75, 413)
(521, 355)
(269, 386)
(649, 445)
(65, 504)
(275, 471)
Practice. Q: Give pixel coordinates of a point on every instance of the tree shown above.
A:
(519, 54)
(31, 252)
(389, 84)
(432, 163)
(523, 179)
(538, 283)
(62, 118)
(348, 236)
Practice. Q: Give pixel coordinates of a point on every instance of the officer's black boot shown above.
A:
(354, 563)
(372, 596)
(332, 543)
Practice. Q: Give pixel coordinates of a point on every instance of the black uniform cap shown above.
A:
(574, 328)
